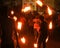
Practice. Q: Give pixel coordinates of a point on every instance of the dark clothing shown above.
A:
(6, 26)
(7, 30)
(44, 28)
(43, 34)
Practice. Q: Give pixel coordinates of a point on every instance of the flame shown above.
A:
(39, 3)
(49, 11)
(12, 12)
(47, 39)
(26, 9)
(35, 45)
(50, 25)
(15, 18)
(23, 40)
(19, 25)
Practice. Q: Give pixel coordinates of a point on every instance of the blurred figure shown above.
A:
(36, 26)
(7, 27)
(36, 31)
(43, 33)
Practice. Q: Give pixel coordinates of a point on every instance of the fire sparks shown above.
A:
(50, 25)
(39, 3)
(49, 11)
(26, 9)
(19, 25)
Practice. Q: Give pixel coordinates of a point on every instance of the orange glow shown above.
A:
(26, 9)
(17, 34)
(19, 25)
(39, 3)
(23, 40)
(49, 11)
(15, 18)
(50, 25)
(47, 39)
(12, 12)
(36, 26)
(35, 45)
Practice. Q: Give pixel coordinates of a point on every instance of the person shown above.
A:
(6, 27)
(36, 27)
(43, 33)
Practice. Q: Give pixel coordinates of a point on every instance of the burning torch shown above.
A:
(19, 25)
(15, 18)
(49, 11)
(12, 12)
(50, 28)
(26, 9)
(23, 40)
(35, 45)
(50, 25)
(39, 3)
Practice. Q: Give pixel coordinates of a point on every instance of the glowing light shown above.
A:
(12, 12)
(47, 39)
(17, 34)
(26, 9)
(19, 25)
(23, 40)
(39, 3)
(35, 45)
(15, 18)
(36, 26)
(9, 17)
(49, 11)
(50, 25)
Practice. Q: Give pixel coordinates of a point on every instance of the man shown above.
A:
(43, 32)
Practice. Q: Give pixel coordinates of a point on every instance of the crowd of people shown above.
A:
(32, 22)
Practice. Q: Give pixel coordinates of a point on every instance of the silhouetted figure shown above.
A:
(43, 33)
(7, 27)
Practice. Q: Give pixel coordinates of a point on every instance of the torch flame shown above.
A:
(35, 45)
(49, 11)
(47, 39)
(39, 3)
(26, 9)
(12, 12)
(19, 25)
(15, 18)
(23, 40)
(50, 25)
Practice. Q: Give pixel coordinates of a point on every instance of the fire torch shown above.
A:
(49, 11)
(26, 9)
(39, 3)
